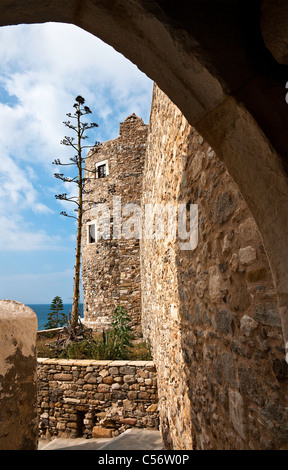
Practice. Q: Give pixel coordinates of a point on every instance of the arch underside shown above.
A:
(211, 60)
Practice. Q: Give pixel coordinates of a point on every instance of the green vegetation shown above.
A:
(115, 343)
(56, 317)
(121, 332)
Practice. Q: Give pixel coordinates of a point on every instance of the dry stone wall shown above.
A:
(86, 398)
(210, 313)
(111, 265)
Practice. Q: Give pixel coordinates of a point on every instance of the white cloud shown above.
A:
(43, 68)
(17, 235)
(16, 190)
(59, 62)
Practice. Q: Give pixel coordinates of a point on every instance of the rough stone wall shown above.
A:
(210, 313)
(88, 398)
(111, 266)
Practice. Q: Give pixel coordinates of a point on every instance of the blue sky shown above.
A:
(43, 68)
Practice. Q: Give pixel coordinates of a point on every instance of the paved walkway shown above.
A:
(132, 439)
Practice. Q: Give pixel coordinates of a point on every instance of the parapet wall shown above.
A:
(210, 313)
(95, 398)
(18, 377)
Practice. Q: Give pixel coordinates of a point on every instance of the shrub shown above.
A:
(121, 332)
(115, 343)
(56, 316)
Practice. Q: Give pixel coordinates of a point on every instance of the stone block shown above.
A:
(108, 422)
(267, 313)
(74, 401)
(228, 368)
(118, 395)
(72, 425)
(61, 426)
(128, 421)
(63, 377)
(148, 382)
(274, 413)
(196, 165)
(248, 230)
(128, 405)
(152, 408)
(108, 380)
(90, 378)
(98, 396)
(224, 322)
(250, 385)
(247, 325)
(143, 373)
(118, 379)
(215, 284)
(129, 379)
(103, 388)
(236, 411)
(128, 370)
(132, 395)
(88, 387)
(103, 373)
(116, 386)
(247, 255)
(234, 262)
(224, 207)
(143, 395)
(113, 371)
(100, 432)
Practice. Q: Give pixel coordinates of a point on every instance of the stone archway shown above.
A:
(234, 96)
(211, 60)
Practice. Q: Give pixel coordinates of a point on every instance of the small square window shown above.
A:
(102, 169)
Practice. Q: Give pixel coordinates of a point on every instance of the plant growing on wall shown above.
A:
(121, 332)
(56, 316)
(79, 128)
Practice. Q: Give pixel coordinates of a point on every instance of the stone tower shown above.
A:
(111, 261)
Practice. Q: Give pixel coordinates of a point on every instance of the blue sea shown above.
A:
(42, 311)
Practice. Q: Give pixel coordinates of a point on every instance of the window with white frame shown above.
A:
(102, 169)
(91, 233)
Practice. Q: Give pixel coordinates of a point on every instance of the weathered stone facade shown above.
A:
(18, 377)
(215, 63)
(111, 264)
(210, 313)
(89, 398)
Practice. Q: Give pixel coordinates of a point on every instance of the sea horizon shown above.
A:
(42, 311)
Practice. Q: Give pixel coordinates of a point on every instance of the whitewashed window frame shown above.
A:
(103, 162)
(92, 222)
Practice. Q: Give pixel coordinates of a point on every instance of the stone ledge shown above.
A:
(87, 362)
